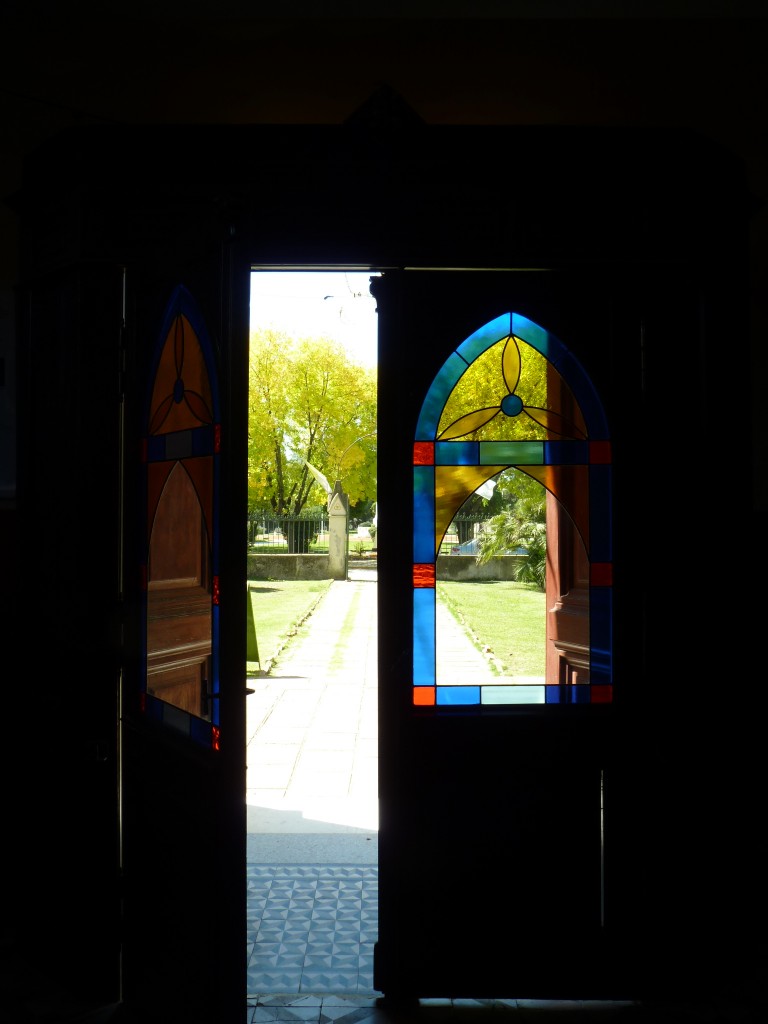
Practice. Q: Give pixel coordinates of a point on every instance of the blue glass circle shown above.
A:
(511, 405)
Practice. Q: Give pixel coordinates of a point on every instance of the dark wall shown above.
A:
(706, 76)
(706, 73)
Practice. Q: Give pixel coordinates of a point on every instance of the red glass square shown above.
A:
(423, 453)
(601, 574)
(600, 453)
(601, 693)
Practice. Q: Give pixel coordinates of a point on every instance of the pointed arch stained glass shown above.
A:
(180, 460)
(512, 396)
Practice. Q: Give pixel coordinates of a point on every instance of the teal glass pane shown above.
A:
(511, 453)
(483, 338)
(423, 514)
(423, 636)
(456, 453)
(537, 337)
(528, 694)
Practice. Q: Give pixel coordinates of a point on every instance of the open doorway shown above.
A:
(312, 702)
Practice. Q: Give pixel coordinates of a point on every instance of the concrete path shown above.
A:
(312, 729)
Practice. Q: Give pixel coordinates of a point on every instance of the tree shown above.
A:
(522, 524)
(308, 402)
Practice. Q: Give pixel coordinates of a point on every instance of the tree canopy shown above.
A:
(308, 403)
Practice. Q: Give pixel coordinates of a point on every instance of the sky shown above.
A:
(315, 304)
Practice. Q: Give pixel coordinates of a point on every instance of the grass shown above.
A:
(279, 608)
(505, 617)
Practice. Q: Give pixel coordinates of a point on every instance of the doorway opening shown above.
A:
(312, 701)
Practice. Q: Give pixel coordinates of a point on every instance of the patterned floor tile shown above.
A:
(311, 930)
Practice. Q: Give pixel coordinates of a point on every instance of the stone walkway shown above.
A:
(312, 723)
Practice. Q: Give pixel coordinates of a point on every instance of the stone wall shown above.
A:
(463, 568)
(288, 567)
(459, 568)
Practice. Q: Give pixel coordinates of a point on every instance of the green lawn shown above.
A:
(279, 607)
(507, 617)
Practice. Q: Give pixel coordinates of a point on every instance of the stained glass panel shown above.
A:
(512, 397)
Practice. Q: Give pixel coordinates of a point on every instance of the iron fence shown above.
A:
(461, 537)
(308, 534)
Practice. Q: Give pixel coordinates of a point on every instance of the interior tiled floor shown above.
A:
(312, 872)
(312, 928)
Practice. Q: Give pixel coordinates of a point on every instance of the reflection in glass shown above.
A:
(180, 458)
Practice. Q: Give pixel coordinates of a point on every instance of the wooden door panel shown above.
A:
(179, 600)
(567, 595)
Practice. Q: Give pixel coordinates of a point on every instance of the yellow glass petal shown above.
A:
(554, 422)
(466, 424)
(510, 365)
(481, 386)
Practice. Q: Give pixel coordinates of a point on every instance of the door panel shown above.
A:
(567, 594)
(183, 731)
(512, 794)
(179, 600)
(579, 837)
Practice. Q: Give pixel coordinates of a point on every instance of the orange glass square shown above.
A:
(424, 574)
(424, 696)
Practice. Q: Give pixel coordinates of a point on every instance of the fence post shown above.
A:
(338, 533)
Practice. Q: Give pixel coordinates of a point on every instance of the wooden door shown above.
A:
(498, 802)
(182, 721)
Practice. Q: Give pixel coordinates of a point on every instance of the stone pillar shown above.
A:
(338, 533)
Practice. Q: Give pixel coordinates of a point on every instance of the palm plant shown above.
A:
(519, 528)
